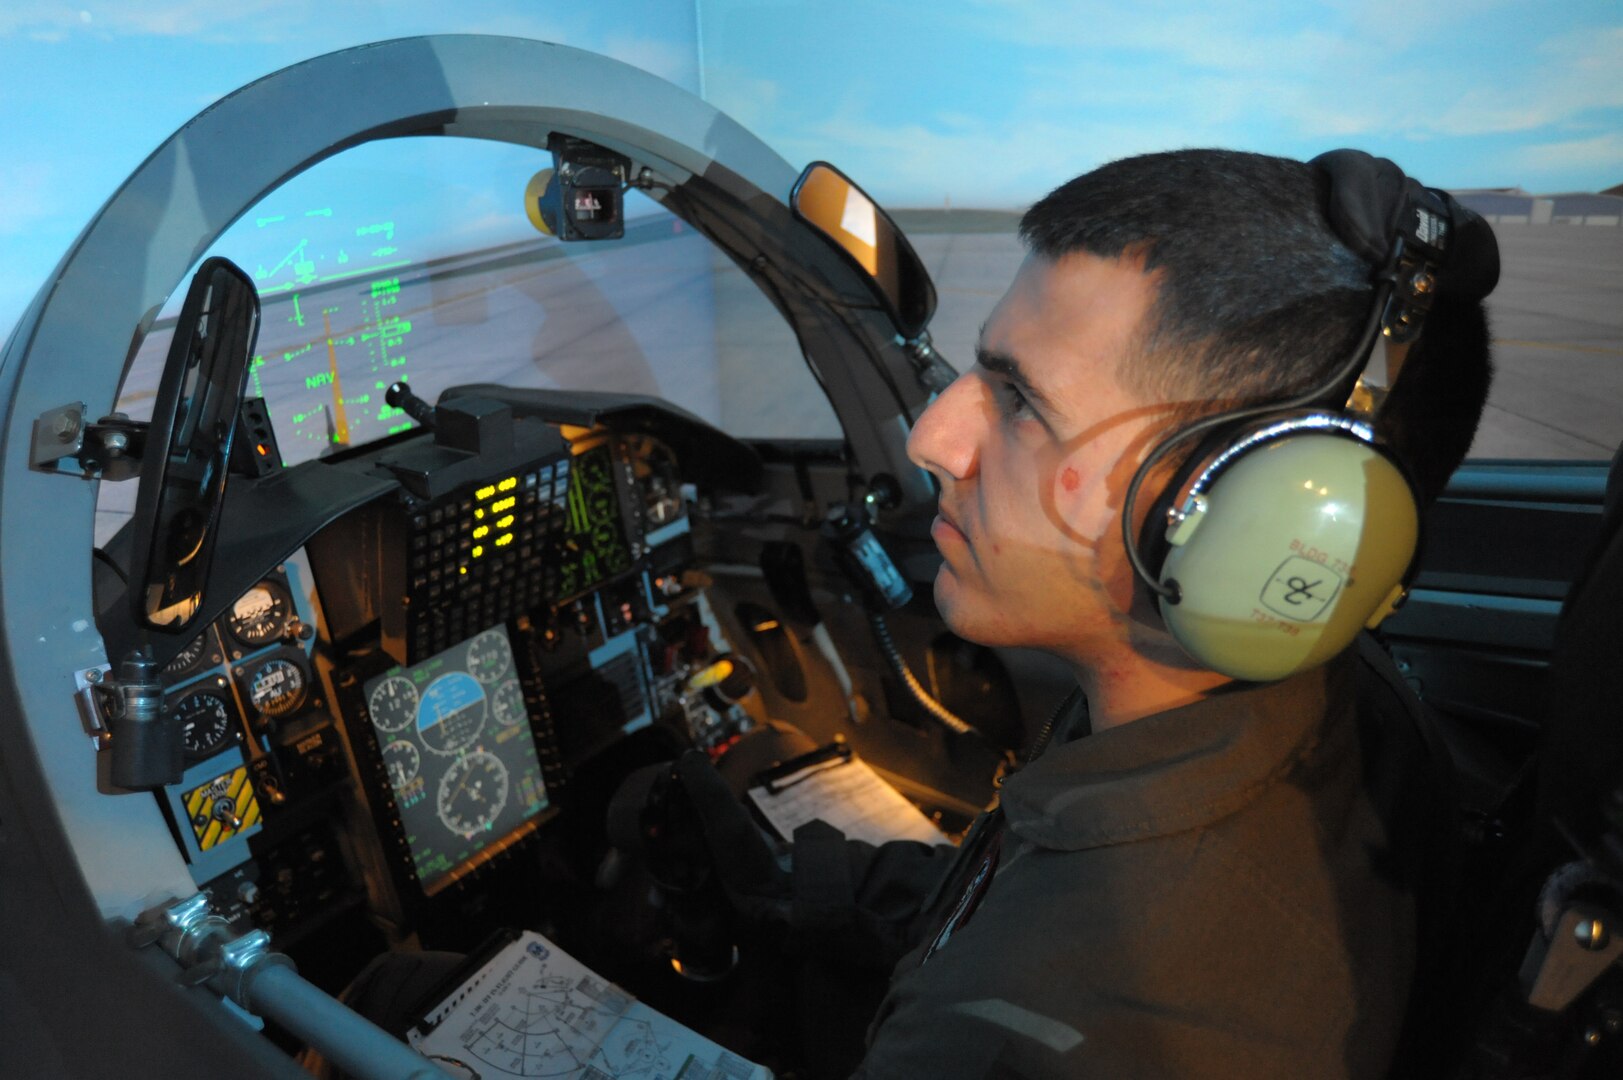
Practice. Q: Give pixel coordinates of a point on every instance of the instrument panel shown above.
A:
(476, 649)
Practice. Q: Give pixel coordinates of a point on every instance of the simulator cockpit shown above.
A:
(363, 535)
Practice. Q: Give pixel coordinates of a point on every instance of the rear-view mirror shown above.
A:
(183, 475)
(831, 203)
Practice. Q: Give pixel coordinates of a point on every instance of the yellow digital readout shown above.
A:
(485, 492)
(478, 550)
(504, 539)
(508, 485)
(506, 504)
(505, 523)
(479, 533)
(478, 514)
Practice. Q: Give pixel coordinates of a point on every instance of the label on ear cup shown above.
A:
(1300, 589)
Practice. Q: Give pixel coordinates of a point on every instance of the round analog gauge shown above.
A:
(277, 687)
(452, 712)
(188, 659)
(205, 723)
(260, 615)
(401, 760)
(489, 656)
(472, 793)
(507, 702)
(393, 703)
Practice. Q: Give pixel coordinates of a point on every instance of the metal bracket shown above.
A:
(98, 699)
(58, 433)
(109, 449)
(208, 949)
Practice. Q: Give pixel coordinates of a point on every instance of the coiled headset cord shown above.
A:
(1340, 381)
(898, 664)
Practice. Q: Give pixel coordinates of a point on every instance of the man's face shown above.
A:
(1034, 448)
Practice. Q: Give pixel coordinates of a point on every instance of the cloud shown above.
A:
(1338, 69)
(751, 100)
(27, 193)
(1564, 77)
(1234, 36)
(263, 21)
(677, 63)
(915, 164)
(241, 20)
(1600, 152)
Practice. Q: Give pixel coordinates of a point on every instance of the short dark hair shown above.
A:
(1257, 298)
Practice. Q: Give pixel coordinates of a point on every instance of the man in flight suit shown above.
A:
(1198, 877)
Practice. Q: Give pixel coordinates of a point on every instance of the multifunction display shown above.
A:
(457, 748)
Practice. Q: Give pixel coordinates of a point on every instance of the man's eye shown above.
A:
(1012, 402)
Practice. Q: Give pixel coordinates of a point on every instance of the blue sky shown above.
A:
(976, 102)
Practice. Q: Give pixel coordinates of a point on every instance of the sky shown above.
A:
(968, 103)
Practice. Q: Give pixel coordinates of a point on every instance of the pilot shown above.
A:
(1199, 876)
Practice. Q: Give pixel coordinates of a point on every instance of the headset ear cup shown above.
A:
(1153, 545)
(1303, 538)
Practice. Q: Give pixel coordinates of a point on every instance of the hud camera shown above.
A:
(582, 197)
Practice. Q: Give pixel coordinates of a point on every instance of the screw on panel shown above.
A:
(1592, 934)
(68, 426)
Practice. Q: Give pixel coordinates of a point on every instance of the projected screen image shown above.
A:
(456, 744)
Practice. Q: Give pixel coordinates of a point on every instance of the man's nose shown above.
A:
(945, 439)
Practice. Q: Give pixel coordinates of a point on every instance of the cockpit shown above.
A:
(556, 441)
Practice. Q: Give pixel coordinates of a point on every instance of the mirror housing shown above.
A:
(189, 446)
(830, 202)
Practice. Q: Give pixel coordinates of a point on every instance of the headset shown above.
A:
(1290, 527)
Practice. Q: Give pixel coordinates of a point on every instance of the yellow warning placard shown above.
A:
(222, 808)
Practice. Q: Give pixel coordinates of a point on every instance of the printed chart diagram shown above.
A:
(535, 1011)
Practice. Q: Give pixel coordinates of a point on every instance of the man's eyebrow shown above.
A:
(1008, 367)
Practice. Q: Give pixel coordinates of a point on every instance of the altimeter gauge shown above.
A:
(472, 793)
(489, 656)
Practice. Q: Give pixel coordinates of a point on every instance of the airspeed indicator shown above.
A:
(393, 703)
